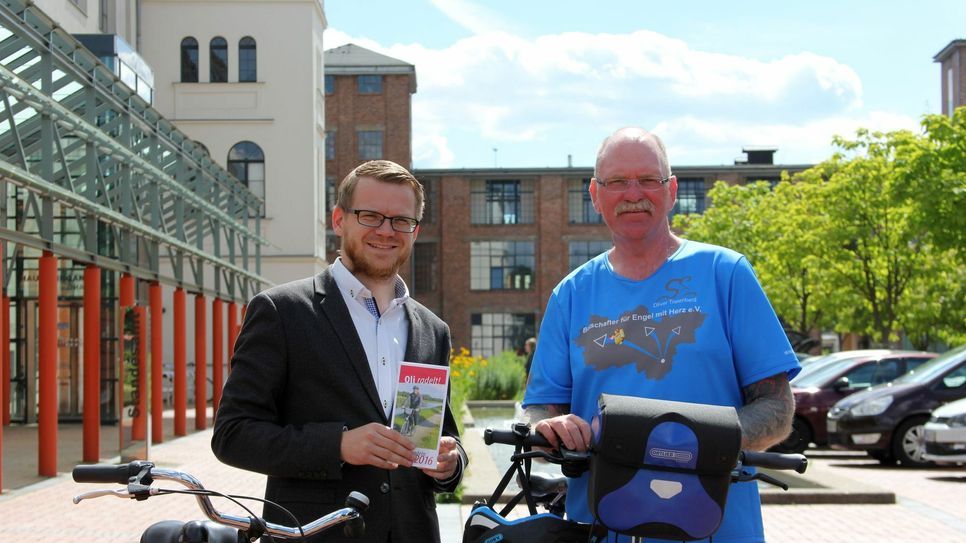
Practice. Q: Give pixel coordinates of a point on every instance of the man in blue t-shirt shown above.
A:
(659, 317)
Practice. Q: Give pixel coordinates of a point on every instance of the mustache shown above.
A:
(643, 205)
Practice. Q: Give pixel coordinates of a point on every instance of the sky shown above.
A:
(540, 83)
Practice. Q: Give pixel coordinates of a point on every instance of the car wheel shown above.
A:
(798, 440)
(909, 443)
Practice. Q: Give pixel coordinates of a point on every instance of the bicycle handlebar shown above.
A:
(520, 437)
(795, 462)
(108, 473)
(511, 437)
(356, 502)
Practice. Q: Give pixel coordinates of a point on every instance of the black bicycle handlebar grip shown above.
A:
(795, 462)
(509, 437)
(108, 473)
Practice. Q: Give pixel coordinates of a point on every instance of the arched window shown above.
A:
(247, 63)
(219, 60)
(189, 60)
(246, 161)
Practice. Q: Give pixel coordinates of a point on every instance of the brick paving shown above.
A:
(931, 504)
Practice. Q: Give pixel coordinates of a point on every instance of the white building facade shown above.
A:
(245, 79)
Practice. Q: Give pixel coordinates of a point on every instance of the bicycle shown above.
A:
(222, 527)
(409, 425)
(486, 525)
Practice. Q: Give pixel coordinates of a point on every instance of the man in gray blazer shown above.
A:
(313, 376)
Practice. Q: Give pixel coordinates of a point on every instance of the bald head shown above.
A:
(633, 137)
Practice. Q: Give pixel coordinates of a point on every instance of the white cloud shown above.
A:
(562, 93)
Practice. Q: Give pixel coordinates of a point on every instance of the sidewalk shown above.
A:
(44, 511)
(928, 504)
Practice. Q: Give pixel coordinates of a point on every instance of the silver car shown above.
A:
(945, 434)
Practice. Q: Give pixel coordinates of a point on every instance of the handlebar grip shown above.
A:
(509, 437)
(108, 473)
(795, 462)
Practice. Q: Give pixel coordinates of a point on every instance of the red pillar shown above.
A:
(180, 366)
(126, 294)
(47, 415)
(201, 364)
(157, 361)
(232, 324)
(217, 344)
(5, 359)
(4, 370)
(92, 363)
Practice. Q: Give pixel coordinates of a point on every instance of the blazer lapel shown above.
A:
(334, 309)
(415, 350)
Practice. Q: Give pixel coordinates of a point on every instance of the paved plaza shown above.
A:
(930, 504)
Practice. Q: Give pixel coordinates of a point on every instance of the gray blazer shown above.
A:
(299, 376)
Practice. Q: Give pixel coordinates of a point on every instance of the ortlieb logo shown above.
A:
(670, 454)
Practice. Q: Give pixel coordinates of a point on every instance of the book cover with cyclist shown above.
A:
(418, 410)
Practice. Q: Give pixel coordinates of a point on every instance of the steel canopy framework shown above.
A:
(92, 172)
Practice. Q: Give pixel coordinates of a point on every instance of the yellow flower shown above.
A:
(456, 374)
(472, 373)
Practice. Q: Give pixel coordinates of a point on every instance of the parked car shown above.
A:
(887, 420)
(844, 373)
(945, 434)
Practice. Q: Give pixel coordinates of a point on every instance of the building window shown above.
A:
(424, 267)
(189, 60)
(502, 201)
(690, 195)
(772, 180)
(429, 200)
(247, 63)
(579, 252)
(330, 144)
(246, 162)
(498, 265)
(579, 205)
(369, 84)
(494, 333)
(218, 72)
(330, 195)
(330, 84)
(370, 144)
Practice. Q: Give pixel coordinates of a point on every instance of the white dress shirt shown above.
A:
(384, 336)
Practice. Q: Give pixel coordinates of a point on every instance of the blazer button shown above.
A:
(384, 488)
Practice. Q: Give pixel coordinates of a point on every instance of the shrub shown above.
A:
(478, 378)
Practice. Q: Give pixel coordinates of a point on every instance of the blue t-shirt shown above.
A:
(699, 329)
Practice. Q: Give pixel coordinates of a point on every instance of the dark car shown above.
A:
(887, 420)
(823, 383)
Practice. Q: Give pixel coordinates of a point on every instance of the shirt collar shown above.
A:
(352, 288)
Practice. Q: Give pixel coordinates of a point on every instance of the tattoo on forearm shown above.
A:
(766, 417)
(535, 413)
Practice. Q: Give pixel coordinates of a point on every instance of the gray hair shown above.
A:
(637, 134)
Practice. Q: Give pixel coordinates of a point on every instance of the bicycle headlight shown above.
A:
(873, 407)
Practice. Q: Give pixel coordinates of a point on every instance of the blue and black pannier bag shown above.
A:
(661, 469)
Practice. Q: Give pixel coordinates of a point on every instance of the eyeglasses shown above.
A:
(645, 183)
(374, 219)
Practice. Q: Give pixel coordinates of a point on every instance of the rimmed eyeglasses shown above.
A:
(645, 183)
(374, 219)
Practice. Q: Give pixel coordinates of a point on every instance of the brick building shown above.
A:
(495, 242)
(952, 61)
(368, 115)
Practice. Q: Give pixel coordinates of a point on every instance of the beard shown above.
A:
(363, 266)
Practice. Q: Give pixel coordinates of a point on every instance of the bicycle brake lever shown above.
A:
(98, 493)
(765, 478)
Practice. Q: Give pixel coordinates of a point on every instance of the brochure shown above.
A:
(418, 410)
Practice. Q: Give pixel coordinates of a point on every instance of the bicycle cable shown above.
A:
(234, 499)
